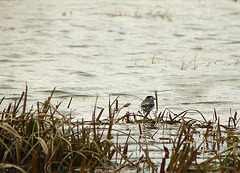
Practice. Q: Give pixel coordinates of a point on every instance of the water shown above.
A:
(189, 51)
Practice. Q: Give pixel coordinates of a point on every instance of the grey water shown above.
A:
(188, 51)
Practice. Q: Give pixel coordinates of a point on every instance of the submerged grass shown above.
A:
(44, 140)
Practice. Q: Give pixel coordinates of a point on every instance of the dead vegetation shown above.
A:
(45, 140)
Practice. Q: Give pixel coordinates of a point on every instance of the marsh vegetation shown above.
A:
(46, 140)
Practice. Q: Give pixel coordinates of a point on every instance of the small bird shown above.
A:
(148, 104)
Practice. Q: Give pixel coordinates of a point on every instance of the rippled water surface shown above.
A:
(189, 51)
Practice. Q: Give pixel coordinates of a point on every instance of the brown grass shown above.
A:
(44, 140)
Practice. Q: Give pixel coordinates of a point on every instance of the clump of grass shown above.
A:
(184, 152)
(184, 66)
(138, 14)
(46, 140)
(200, 145)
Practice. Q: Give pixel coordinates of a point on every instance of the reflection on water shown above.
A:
(188, 51)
